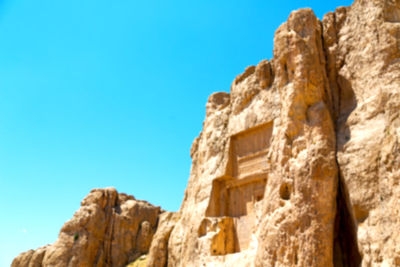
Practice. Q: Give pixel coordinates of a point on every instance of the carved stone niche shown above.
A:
(236, 194)
(248, 152)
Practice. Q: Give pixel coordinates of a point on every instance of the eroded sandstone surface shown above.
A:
(110, 229)
(298, 165)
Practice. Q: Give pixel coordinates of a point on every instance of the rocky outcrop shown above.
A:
(264, 158)
(299, 223)
(31, 258)
(158, 253)
(297, 166)
(109, 229)
(363, 52)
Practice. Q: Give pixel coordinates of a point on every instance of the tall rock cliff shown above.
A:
(299, 165)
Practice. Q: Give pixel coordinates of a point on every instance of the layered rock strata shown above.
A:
(110, 229)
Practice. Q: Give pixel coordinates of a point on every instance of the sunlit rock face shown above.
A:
(110, 229)
(299, 165)
(362, 45)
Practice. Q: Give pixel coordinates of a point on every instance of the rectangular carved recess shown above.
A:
(249, 150)
(236, 194)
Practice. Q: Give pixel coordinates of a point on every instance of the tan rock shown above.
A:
(366, 50)
(262, 162)
(109, 229)
(31, 258)
(158, 253)
(298, 228)
(297, 166)
(301, 166)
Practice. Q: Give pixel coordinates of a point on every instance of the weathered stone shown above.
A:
(30, 258)
(297, 166)
(320, 187)
(365, 51)
(158, 253)
(109, 229)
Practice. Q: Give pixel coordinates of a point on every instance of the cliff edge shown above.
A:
(297, 166)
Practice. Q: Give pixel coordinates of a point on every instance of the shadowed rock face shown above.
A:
(109, 229)
(299, 165)
(158, 254)
(363, 52)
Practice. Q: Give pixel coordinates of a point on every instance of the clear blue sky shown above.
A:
(97, 93)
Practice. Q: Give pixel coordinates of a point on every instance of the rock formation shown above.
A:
(158, 253)
(109, 229)
(297, 166)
